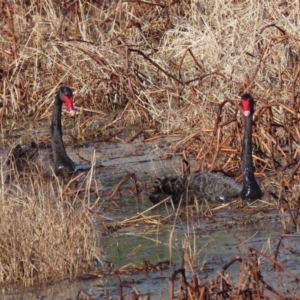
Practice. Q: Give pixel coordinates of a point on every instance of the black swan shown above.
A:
(40, 158)
(212, 186)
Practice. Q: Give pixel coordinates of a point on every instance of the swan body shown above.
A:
(43, 159)
(212, 186)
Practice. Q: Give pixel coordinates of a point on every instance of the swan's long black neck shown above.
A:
(251, 189)
(59, 151)
(247, 163)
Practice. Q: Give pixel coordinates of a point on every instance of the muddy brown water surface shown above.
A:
(210, 241)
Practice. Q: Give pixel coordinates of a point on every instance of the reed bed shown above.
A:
(165, 67)
(168, 67)
(47, 234)
(172, 64)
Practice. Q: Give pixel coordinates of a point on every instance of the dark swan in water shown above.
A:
(42, 159)
(212, 186)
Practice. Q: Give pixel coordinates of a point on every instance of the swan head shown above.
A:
(66, 96)
(247, 104)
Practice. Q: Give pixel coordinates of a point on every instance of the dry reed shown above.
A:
(163, 60)
(163, 66)
(172, 67)
(45, 235)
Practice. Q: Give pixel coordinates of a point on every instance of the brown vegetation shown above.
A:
(167, 66)
(250, 283)
(173, 67)
(46, 235)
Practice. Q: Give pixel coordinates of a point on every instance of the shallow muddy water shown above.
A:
(211, 242)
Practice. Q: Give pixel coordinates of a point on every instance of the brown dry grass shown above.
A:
(161, 65)
(45, 235)
(161, 59)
